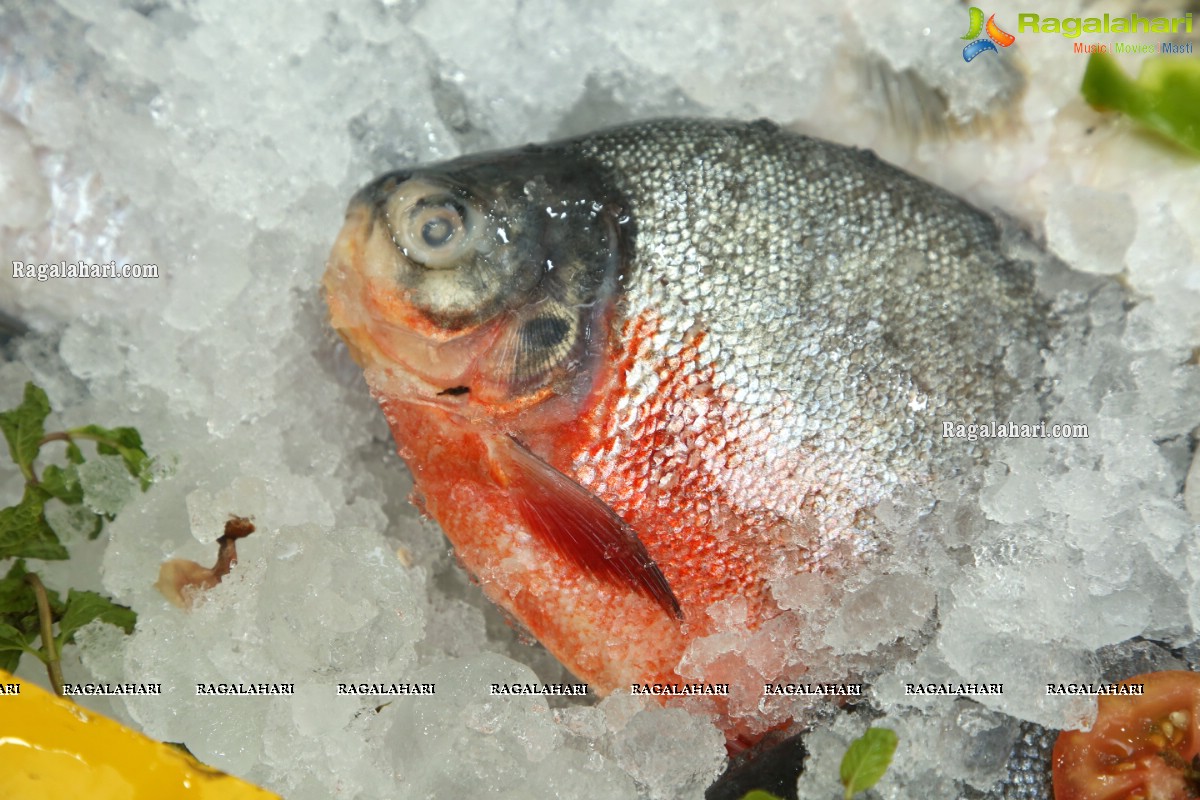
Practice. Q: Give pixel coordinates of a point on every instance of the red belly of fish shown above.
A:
(606, 635)
(709, 550)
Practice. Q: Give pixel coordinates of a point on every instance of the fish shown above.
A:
(643, 378)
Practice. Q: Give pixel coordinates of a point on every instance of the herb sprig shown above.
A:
(1165, 96)
(28, 610)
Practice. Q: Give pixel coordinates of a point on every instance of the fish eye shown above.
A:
(438, 231)
(432, 228)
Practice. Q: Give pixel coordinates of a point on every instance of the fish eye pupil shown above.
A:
(431, 228)
(437, 232)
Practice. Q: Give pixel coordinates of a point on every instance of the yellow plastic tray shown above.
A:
(53, 749)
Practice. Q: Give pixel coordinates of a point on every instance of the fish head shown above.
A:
(479, 298)
(478, 283)
(498, 308)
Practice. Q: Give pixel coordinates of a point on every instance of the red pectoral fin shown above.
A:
(580, 526)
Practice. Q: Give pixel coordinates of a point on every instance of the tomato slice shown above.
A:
(1143, 747)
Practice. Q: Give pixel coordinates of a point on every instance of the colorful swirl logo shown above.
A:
(995, 35)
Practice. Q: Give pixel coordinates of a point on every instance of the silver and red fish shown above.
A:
(644, 377)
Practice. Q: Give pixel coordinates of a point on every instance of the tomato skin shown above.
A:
(1136, 750)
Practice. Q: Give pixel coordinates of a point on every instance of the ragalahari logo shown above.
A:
(995, 35)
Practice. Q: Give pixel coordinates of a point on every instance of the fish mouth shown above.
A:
(368, 310)
(343, 283)
(404, 355)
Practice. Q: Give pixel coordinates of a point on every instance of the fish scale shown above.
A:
(642, 377)
(1027, 774)
(871, 293)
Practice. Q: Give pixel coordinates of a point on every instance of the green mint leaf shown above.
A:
(1165, 96)
(9, 660)
(24, 427)
(12, 645)
(74, 454)
(125, 442)
(867, 759)
(18, 604)
(759, 794)
(16, 596)
(113, 437)
(63, 484)
(84, 607)
(24, 532)
(99, 526)
(12, 639)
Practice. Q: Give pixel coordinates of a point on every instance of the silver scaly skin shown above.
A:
(849, 309)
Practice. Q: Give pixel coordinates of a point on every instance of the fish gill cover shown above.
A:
(220, 144)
